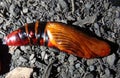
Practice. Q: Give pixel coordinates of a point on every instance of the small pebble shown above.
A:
(11, 10)
(22, 59)
(17, 53)
(89, 75)
(1, 35)
(63, 5)
(46, 57)
(88, 5)
(111, 59)
(117, 21)
(14, 10)
(106, 5)
(32, 61)
(43, 54)
(109, 14)
(117, 14)
(71, 59)
(32, 56)
(28, 47)
(29, 20)
(71, 69)
(25, 10)
(96, 29)
(61, 57)
(107, 72)
(77, 65)
(43, 48)
(91, 68)
(23, 48)
(38, 64)
(1, 20)
(52, 50)
(91, 61)
(34, 74)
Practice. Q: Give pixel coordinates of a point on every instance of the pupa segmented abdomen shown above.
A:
(61, 36)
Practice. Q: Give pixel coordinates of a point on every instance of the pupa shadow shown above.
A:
(5, 58)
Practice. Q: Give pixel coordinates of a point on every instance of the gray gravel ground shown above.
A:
(102, 17)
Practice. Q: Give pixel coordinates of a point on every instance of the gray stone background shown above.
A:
(102, 17)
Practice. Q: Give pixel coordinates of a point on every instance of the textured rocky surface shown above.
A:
(102, 17)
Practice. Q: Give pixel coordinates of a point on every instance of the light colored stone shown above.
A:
(71, 59)
(88, 5)
(88, 75)
(111, 59)
(91, 61)
(20, 72)
(1, 20)
(32, 57)
(43, 54)
(92, 68)
(117, 21)
(25, 10)
(77, 65)
(12, 49)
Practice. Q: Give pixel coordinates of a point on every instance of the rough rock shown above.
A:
(20, 72)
